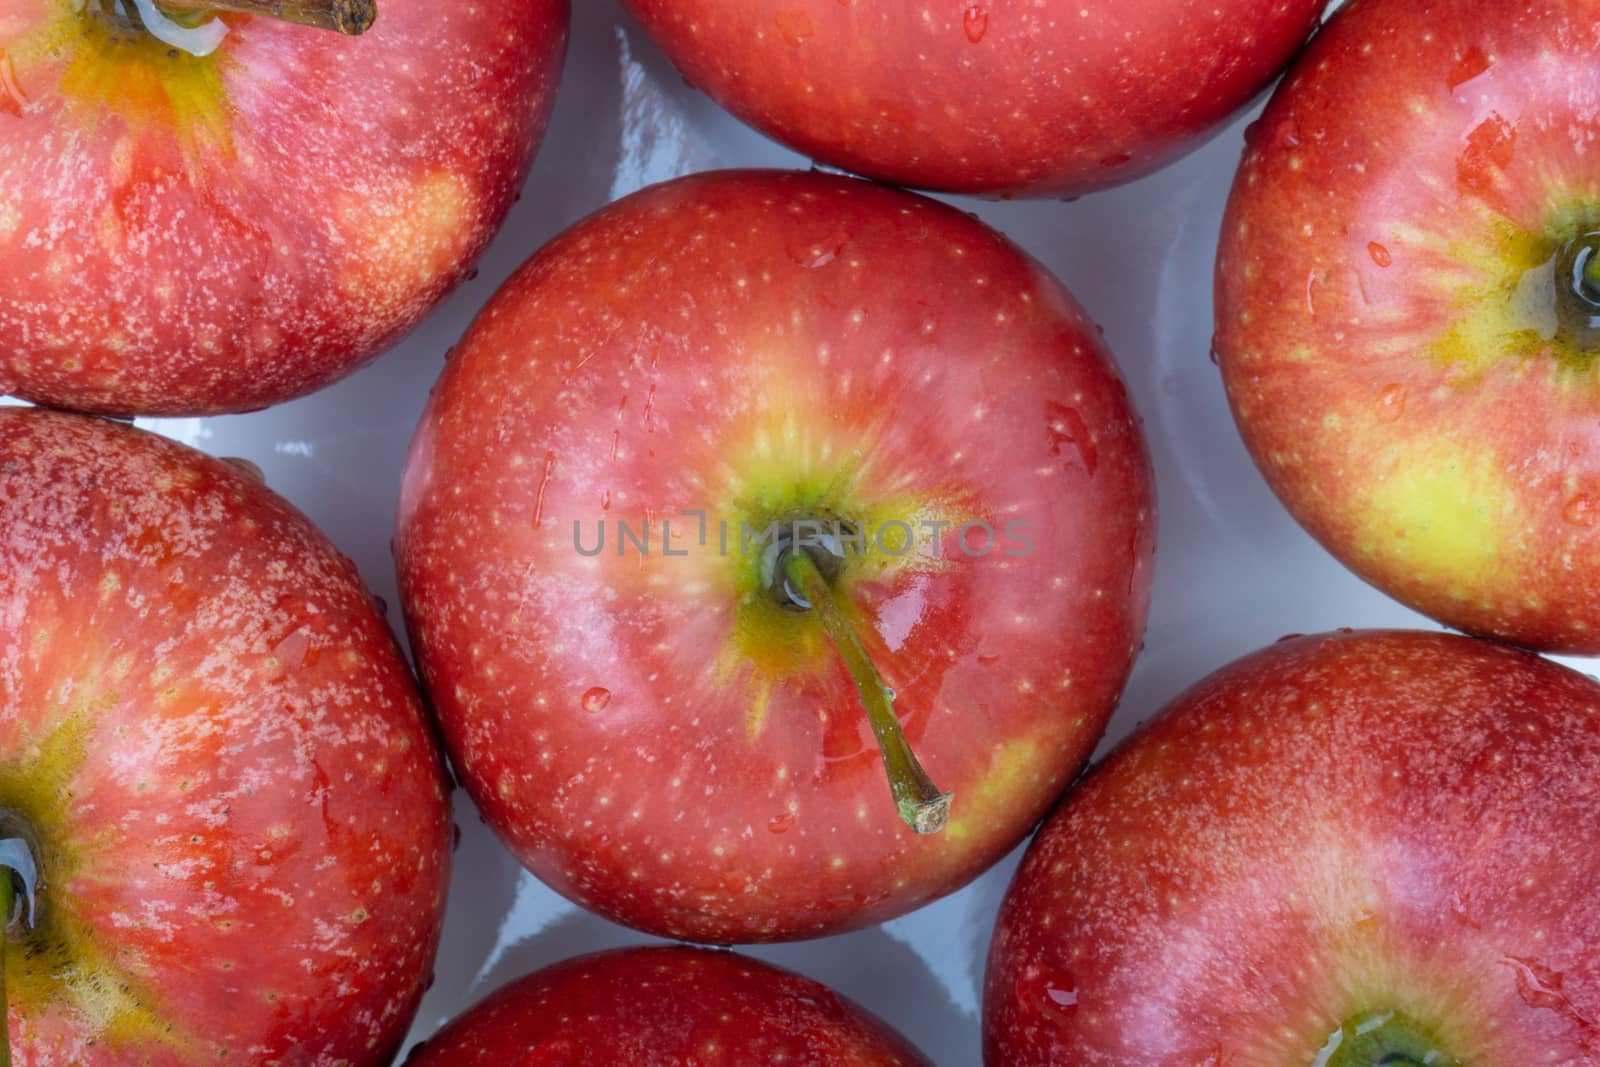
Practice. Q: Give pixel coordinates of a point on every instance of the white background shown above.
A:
(1233, 570)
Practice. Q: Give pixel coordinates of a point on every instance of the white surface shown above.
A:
(1233, 571)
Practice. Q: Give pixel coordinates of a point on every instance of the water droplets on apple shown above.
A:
(976, 23)
(1581, 510)
(12, 99)
(596, 699)
(795, 26)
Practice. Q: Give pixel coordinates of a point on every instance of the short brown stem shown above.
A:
(920, 803)
(353, 17)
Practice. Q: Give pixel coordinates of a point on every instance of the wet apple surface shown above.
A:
(1408, 306)
(1346, 850)
(218, 760)
(191, 233)
(669, 735)
(666, 1007)
(995, 97)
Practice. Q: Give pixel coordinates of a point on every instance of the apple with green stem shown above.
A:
(217, 205)
(1347, 850)
(666, 1007)
(995, 97)
(747, 492)
(1408, 308)
(218, 782)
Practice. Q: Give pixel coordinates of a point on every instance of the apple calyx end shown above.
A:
(1578, 292)
(1384, 1039)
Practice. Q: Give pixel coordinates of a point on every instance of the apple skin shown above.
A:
(220, 759)
(1350, 822)
(196, 236)
(1390, 373)
(666, 1007)
(651, 735)
(995, 97)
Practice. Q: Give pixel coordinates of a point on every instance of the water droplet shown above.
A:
(976, 23)
(380, 605)
(12, 99)
(795, 26)
(1116, 159)
(1380, 255)
(987, 658)
(1289, 637)
(605, 500)
(455, 837)
(781, 823)
(1287, 134)
(290, 653)
(649, 410)
(1311, 299)
(818, 254)
(1391, 402)
(1066, 426)
(1582, 510)
(544, 484)
(889, 693)
(616, 443)
(596, 699)
(1469, 66)
(1052, 995)
(1459, 912)
(1539, 986)
(1488, 152)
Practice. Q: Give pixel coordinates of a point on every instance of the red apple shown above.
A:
(1345, 850)
(219, 762)
(675, 740)
(194, 234)
(998, 97)
(666, 1007)
(1408, 307)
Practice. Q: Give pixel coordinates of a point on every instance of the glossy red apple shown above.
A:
(668, 735)
(1408, 308)
(998, 97)
(191, 233)
(1346, 850)
(666, 1007)
(218, 759)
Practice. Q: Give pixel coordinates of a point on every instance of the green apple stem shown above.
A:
(921, 803)
(352, 17)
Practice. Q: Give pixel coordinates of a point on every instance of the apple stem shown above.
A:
(351, 17)
(921, 804)
(1578, 292)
